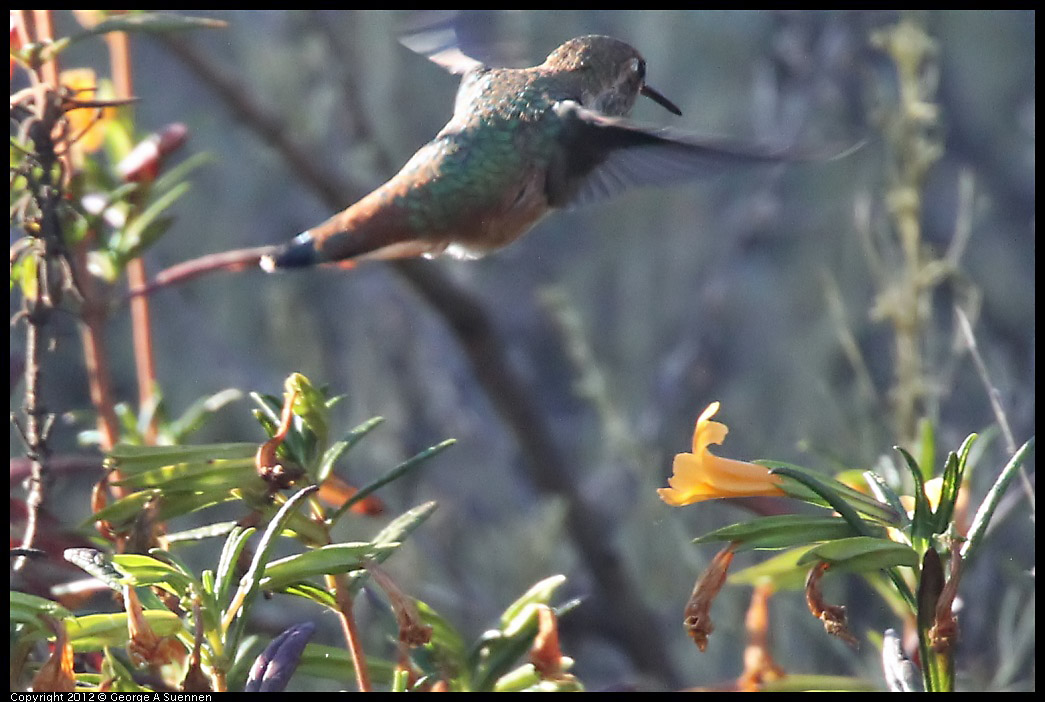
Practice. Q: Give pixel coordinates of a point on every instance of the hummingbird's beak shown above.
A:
(660, 99)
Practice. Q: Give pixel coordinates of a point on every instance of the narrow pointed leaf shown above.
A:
(208, 531)
(921, 523)
(819, 683)
(926, 447)
(326, 464)
(93, 632)
(230, 553)
(142, 570)
(861, 553)
(782, 531)
(448, 645)
(394, 474)
(26, 608)
(990, 503)
(125, 509)
(399, 528)
(149, 22)
(331, 663)
(311, 592)
(858, 500)
(250, 582)
(131, 460)
(781, 570)
(394, 533)
(884, 493)
(326, 560)
(540, 593)
(829, 494)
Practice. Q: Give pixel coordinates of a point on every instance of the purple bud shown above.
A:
(272, 669)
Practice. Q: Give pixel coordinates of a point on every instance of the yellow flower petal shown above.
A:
(85, 124)
(703, 476)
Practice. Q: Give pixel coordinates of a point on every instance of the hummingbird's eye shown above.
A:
(640, 68)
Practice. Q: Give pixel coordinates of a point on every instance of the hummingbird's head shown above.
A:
(611, 72)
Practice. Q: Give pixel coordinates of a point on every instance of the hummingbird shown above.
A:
(522, 143)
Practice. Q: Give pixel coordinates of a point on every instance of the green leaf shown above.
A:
(829, 492)
(230, 553)
(325, 560)
(174, 175)
(96, 631)
(539, 593)
(884, 493)
(394, 474)
(926, 447)
(861, 553)
(140, 232)
(313, 593)
(149, 22)
(921, 522)
(125, 509)
(782, 571)
(26, 608)
(399, 528)
(299, 442)
(953, 477)
(326, 463)
(131, 460)
(782, 531)
(208, 531)
(196, 477)
(331, 663)
(310, 405)
(446, 644)
(819, 683)
(518, 680)
(249, 585)
(806, 491)
(394, 532)
(100, 565)
(142, 570)
(197, 414)
(983, 516)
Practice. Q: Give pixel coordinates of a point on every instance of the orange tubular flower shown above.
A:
(703, 476)
(87, 124)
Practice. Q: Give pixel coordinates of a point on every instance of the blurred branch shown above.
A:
(141, 324)
(56, 465)
(629, 623)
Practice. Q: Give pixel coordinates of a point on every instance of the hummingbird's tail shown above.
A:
(231, 261)
(299, 252)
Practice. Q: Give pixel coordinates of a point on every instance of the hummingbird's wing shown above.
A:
(604, 156)
(461, 41)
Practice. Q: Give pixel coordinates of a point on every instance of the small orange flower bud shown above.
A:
(545, 654)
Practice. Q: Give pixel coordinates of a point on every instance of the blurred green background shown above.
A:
(624, 320)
